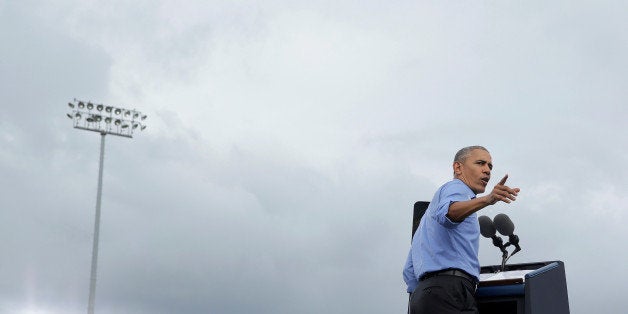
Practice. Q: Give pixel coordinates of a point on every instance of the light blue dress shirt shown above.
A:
(440, 243)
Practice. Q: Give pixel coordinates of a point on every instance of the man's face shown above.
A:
(475, 171)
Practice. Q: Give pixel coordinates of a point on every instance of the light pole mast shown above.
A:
(115, 121)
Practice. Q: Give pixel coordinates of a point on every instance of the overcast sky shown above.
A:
(288, 140)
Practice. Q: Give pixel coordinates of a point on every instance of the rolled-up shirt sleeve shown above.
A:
(451, 194)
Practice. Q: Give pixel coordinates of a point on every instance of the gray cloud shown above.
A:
(287, 143)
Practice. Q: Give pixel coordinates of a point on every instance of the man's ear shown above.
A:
(457, 167)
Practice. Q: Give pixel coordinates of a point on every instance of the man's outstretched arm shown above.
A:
(458, 211)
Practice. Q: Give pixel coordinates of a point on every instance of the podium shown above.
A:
(532, 288)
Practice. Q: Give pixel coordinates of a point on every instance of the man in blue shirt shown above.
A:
(442, 269)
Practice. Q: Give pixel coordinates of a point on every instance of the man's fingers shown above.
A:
(505, 194)
(507, 199)
(503, 181)
(506, 189)
(504, 199)
(514, 191)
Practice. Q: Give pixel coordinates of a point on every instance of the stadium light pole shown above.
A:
(104, 120)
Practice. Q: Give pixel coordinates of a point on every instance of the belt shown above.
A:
(450, 272)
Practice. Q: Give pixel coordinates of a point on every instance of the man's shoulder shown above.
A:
(455, 186)
(453, 183)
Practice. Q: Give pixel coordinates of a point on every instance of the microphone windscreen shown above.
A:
(503, 224)
(487, 229)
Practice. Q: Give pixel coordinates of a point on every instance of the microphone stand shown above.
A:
(498, 242)
(514, 241)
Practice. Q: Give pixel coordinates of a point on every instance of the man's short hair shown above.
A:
(464, 153)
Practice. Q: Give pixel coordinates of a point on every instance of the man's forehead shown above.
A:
(480, 154)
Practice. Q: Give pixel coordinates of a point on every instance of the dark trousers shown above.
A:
(443, 295)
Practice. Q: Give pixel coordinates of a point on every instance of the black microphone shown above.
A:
(504, 225)
(487, 229)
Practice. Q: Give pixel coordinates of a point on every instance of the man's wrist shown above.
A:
(485, 200)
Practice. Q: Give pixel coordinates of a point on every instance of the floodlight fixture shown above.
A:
(92, 123)
(115, 118)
